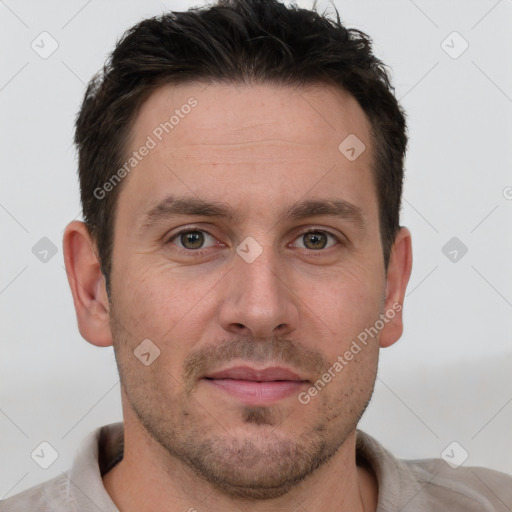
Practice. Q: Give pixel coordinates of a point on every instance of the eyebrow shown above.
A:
(176, 206)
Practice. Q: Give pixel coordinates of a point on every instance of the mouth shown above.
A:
(256, 386)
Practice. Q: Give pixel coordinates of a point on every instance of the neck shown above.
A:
(148, 479)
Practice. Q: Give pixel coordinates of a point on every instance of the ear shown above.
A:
(87, 284)
(399, 271)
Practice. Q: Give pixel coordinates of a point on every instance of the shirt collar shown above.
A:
(98, 453)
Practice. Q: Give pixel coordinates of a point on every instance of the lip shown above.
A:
(256, 386)
(273, 373)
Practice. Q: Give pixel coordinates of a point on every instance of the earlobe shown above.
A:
(87, 284)
(399, 271)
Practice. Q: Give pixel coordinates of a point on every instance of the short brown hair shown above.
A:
(233, 41)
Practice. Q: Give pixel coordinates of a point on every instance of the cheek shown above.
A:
(165, 307)
(346, 306)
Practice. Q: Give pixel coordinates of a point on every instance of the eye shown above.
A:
(191, 239)
(316, 240)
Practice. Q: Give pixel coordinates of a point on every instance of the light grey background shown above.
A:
(448, 379)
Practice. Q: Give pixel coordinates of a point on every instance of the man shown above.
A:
(241, 172)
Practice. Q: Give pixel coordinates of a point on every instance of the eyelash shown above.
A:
(201, 251)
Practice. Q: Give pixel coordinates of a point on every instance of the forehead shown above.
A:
(315, 114)
(248, 141)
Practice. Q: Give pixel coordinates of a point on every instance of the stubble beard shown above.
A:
(265, 463)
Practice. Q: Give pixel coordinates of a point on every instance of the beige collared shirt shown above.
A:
(404, 485)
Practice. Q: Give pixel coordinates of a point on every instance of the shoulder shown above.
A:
(72, 490)
(431, 484)
(50, 496)
(467, 488)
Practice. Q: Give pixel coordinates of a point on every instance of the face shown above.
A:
(247, 244)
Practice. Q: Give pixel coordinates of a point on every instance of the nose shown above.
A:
(258, 300)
